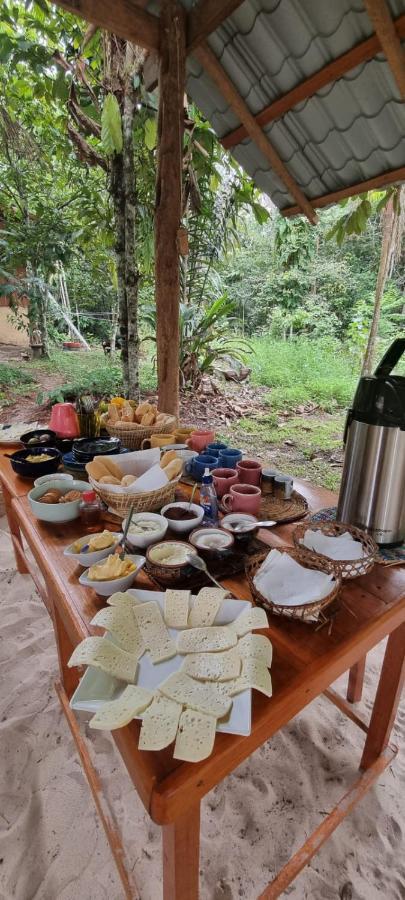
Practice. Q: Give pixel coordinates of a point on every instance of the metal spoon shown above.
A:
(249, 526)
(126, 529)
(199, 564)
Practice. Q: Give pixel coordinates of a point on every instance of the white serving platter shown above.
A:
(96, 687)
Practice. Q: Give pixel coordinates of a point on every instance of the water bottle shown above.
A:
(208, 499)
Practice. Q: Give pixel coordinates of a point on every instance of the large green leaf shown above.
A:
(111, 129)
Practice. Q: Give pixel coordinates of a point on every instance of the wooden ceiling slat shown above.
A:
(228, 90)
(362, 52)
(205, 17)
(395, 176)
(378, 12)
(122, 17)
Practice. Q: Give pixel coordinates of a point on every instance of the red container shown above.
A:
(64, 420)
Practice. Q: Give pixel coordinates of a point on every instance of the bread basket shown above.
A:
(131, 434)
(310, 561)
(147, 501)
(348, 568)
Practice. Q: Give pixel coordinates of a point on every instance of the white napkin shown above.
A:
(142, 463)
(282, 580)
(341, 547)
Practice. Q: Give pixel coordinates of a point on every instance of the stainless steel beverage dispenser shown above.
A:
(372, 492)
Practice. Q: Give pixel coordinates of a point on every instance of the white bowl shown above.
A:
(188, 524)
(56, 512)
(89, 559)
(212, 540)
(54, 476)
(106, 588)
(144, 540)
(238, 518)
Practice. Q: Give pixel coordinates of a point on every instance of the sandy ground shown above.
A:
(53, 848)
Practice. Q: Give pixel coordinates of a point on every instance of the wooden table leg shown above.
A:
(356, 678)
(181, 857)
(69, 677)
(15, 532)
(387, 698)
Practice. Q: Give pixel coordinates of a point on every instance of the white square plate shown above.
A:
(96, 687)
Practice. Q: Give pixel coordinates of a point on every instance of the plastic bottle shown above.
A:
(90, 508)
(208, 499)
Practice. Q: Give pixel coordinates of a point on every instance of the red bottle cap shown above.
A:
(89, 496)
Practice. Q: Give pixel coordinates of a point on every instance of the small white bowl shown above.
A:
(211, 540)
(151, 537)
(106, 588)
(238, 518)
(187, 525)
(89, 559)
(54, 476)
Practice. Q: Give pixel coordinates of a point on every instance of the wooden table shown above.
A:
(305, 664)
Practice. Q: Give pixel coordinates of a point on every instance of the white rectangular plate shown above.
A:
(97, 687)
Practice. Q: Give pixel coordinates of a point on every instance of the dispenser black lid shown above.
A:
(380, 398)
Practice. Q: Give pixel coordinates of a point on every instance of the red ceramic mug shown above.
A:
(244, 498)
(223, 480)
(249, 471)
(199, 439)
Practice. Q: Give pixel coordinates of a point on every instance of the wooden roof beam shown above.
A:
(362, 52)
(379, 13)
(205, 17)
(122, 17)
(228, 90)
(395, 176)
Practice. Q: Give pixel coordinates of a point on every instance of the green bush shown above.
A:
(13, 376)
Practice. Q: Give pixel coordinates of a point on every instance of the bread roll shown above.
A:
(168, 457)
(148, 418)
(109, 479)
(113, 414)
(110, 467)
(142, 408)
(173, 469)
(128, 479)
(96, 469)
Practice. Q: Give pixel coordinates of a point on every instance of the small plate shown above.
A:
(96, 687)
(106, 588)
(89, 559)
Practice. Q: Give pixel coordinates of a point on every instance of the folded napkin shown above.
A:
(342, 547)
(282, 580)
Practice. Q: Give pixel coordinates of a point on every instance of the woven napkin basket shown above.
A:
(131, 435)
(348, 568)
(309, 561)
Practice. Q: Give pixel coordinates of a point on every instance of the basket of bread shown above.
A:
(140, 479)
(132, 423)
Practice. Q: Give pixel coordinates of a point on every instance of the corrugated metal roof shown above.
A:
(350, 131)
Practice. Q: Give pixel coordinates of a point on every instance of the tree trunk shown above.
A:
(42, 322)
(117, 194)
(169, 201)
(388, 244)
(131, 268)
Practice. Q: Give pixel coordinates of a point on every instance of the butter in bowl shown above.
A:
(112, 574)
(92, 548)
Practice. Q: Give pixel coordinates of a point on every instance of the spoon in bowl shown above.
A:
(249, 526)
(199, 564)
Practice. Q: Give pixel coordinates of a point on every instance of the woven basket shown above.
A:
(309, 561)
(131, 435)
(348, 568)
(147, 501)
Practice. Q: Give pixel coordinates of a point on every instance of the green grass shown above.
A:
(14, 376)
(301, 372)
(92, 372)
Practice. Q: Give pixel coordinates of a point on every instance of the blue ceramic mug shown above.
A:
(229, 457)
(196, 467)
(215, 448)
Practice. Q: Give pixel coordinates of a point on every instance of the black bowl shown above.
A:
(40, 437)
(85, 449)
(32, 469)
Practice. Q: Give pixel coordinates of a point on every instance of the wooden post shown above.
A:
(168, 201)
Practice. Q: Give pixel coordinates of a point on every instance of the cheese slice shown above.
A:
(154, 632)
(103, 654)
(159, 724)
(212, 666)
(212, 699)
(122, 598)
(206, 606)
(255, 674)
(198, 640)
(120, 621)
(195, 737)
(255, 645)
(176, 608)
(120, 712)
(255, 617)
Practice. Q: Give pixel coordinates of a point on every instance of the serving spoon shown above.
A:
(198, 563)
(249, 526)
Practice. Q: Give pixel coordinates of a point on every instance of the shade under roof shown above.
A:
(350, 131)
